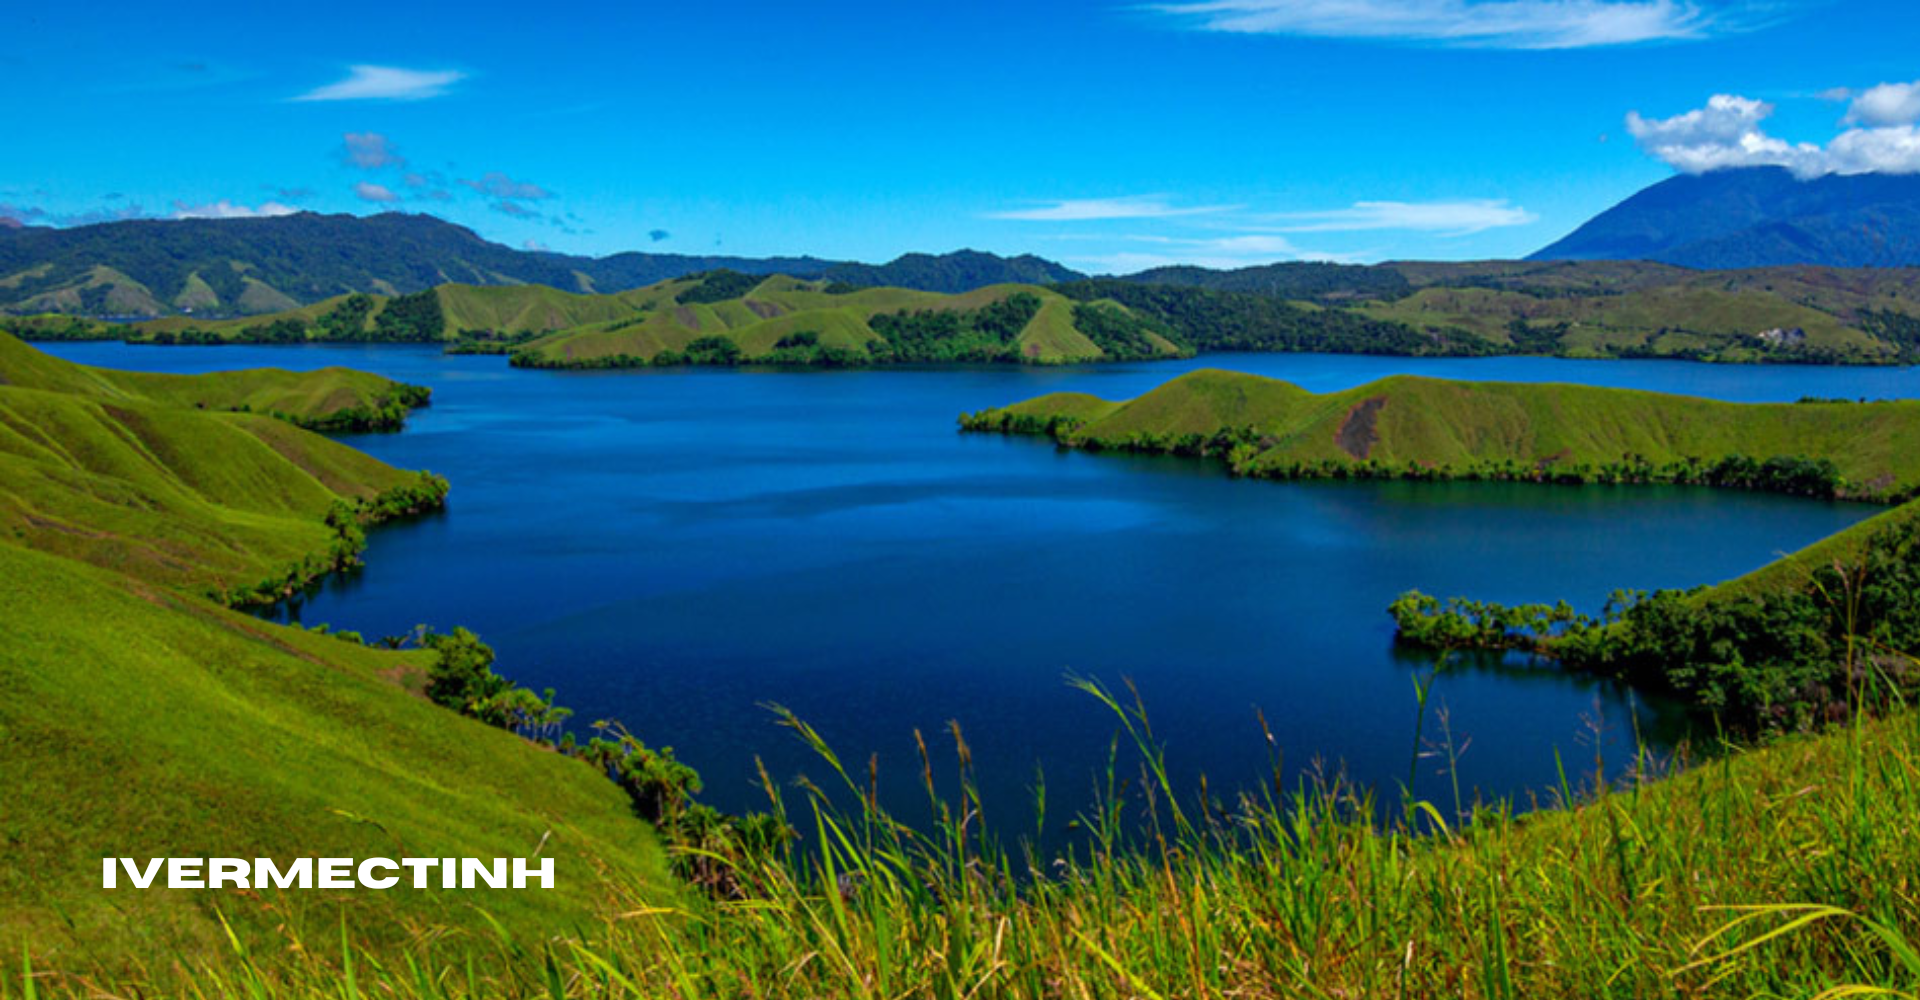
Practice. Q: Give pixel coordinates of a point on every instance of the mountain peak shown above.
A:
(1757, 217)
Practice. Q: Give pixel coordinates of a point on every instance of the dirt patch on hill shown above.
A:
(765, 310)
(1357, 434)
(685, 316)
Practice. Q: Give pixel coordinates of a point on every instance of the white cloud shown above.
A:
(1453, 218)
(1507, 24)
(367, 191)
(1727, 133)
(1093, 209)
(1875, 151)
(1888, 104)
(224, 209)
(386, 83)
(1220, 253)
(371, 151)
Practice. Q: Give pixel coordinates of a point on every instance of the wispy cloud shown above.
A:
(35, 215)
(514, 209)
(378, 193)
(1218, 252)
(371, 151)
(1728, 133)
(499, 185)
(224, 209)
(1451, 218)
(386, 83)
(1506, 24)
(1093, 209)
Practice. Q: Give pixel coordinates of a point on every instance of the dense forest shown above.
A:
(1212, 320)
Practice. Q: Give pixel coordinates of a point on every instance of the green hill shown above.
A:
(141, 722)
(1433, 428)
(323, 399)
(1814, 636)
(1592, 309)
(719, 317)
(140, 718)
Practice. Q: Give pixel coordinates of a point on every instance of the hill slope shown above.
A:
(1422, 427)
(745, 318)
(1757, 217)
(139, 718)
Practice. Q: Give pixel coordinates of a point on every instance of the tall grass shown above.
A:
(1790, 870)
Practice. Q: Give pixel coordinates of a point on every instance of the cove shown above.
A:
(676, 548)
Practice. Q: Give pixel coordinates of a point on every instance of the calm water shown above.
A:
(677, 548)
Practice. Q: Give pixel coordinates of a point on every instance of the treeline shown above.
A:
(386, 413)
(1244, 451)
(1213, 320)
(711, 847)
(1123, 335)
(417, 318)
(1311, 280)
(1790, 659)
(346, 519)
(719, 286)
(56, 327)
(1897, 328)
(954, 335)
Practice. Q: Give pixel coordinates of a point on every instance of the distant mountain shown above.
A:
(237, 267)
(960, 271)
(1757, 217)
(1311, 280)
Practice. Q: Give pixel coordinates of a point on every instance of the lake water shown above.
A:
(677, 548)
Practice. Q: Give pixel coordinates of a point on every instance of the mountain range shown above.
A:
(1730, 219)
(218, 267)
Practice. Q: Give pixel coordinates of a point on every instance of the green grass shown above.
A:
(149, 476)
(140, 718)
(1783, 871)
(309, 396)
(1424, 425)
(1662, 320)
(137, 719)
(140, 722)
(780, 306)
(554, 328)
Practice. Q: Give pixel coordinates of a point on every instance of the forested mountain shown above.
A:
(1286, 280)
(1757, 217)
(960, 271)
(238, 267)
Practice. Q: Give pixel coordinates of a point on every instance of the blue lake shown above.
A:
(677, 548)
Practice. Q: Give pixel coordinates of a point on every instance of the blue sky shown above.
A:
(1108, 135)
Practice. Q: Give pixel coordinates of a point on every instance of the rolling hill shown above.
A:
(719, 316)
(1757, 217)
(246, 267)
(140, 718)
(1584, 309)
(1435, 428)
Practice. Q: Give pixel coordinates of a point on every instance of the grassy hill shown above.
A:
(139, 721)
(777, 320)
(325, 399)
(140, 717)
(1424, 427)
(1595, 309)
(1817, 635)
